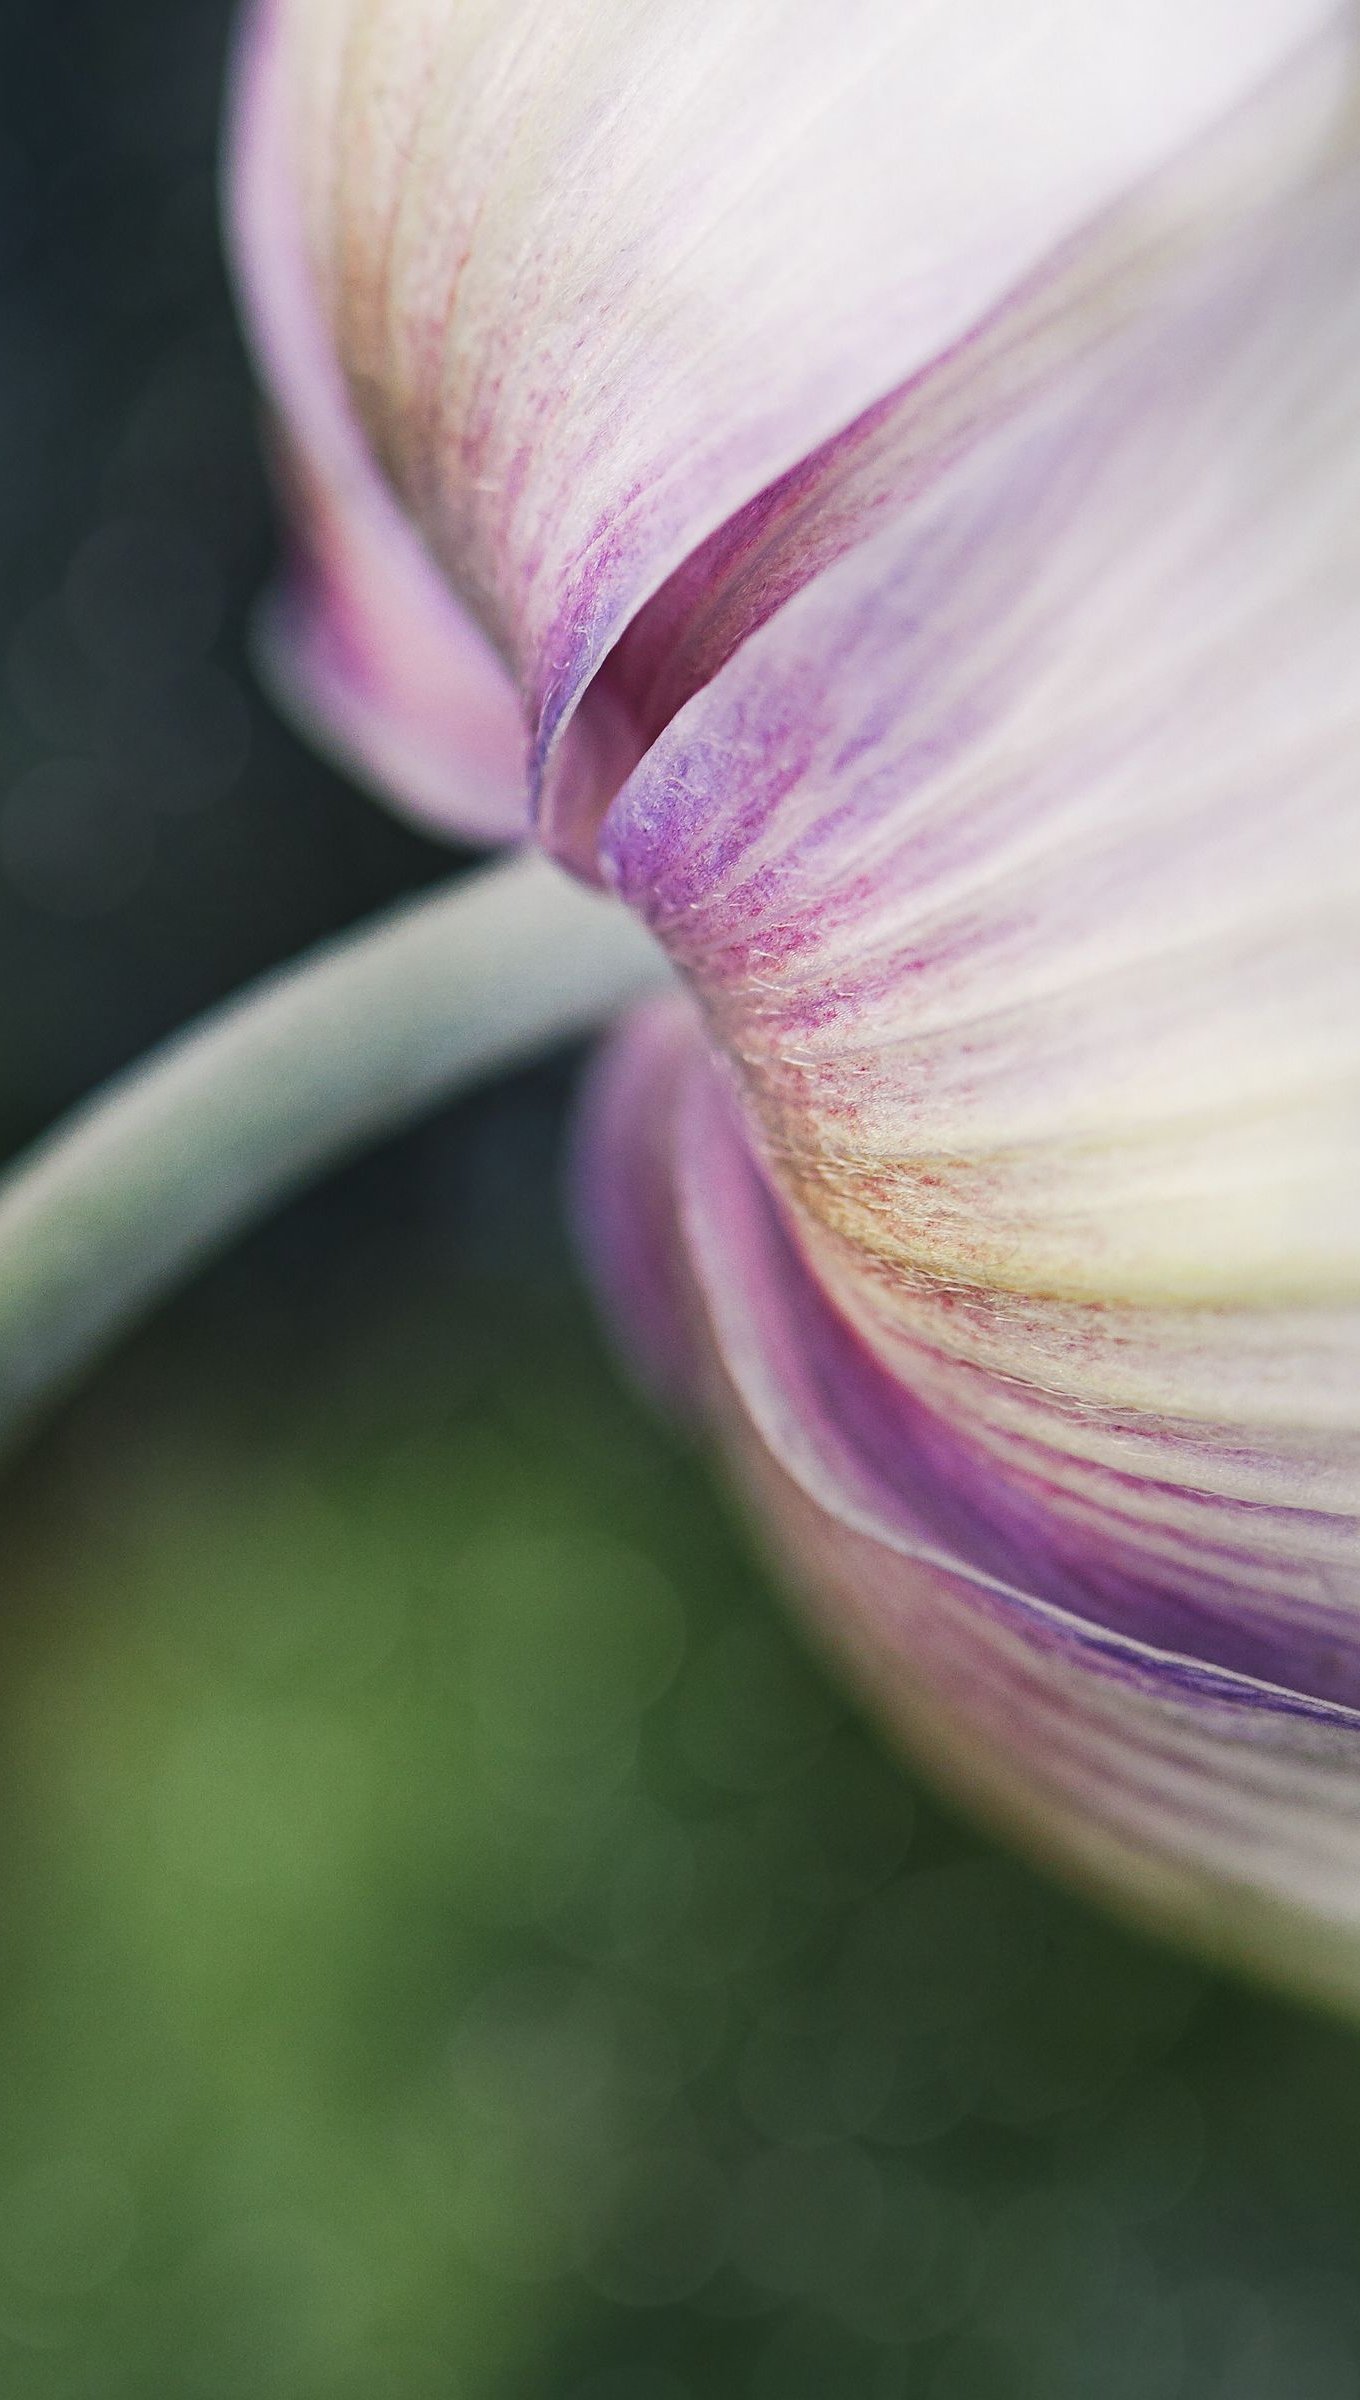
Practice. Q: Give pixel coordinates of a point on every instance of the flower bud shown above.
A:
(903, 473)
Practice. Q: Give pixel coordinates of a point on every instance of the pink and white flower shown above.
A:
(881, 493)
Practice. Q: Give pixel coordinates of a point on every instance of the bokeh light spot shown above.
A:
(66, 2227)
(144, 598)
(665, 2232)
(573, 1640)
(73, 842)
(753, 1715)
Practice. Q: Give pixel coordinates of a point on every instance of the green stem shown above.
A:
(146, 1180)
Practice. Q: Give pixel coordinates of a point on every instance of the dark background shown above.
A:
(454, 1944)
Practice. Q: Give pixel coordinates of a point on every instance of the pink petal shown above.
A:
(603, 271)
(624, 1192)
(1219, 1801)
(365, 640)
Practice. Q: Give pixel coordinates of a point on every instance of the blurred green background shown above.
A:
(453, 1943)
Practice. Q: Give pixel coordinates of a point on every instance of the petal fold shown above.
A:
(1017, 858)
(602, 271)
